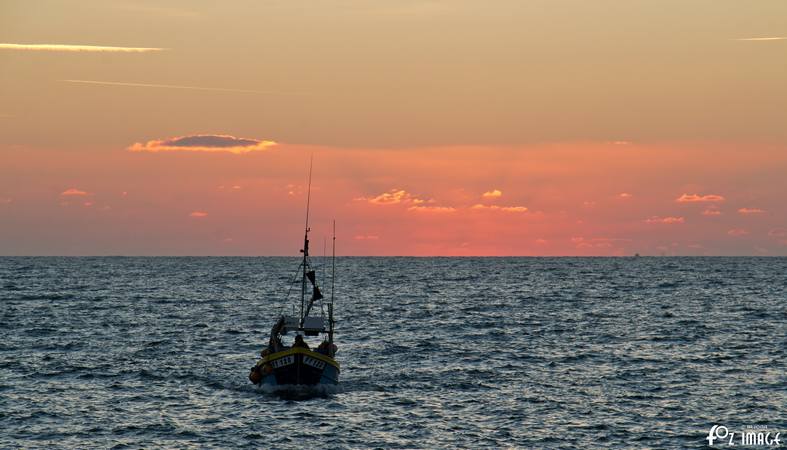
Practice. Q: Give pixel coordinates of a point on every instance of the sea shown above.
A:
(650, 352)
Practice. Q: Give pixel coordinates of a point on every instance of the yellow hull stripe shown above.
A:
(303, 351)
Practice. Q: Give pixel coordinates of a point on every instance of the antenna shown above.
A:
(306, 239)
(333, 285)
(333, 260)
(309, 191)
(324, 258)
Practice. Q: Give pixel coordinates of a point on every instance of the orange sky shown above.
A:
(556, 199)
(437, 128)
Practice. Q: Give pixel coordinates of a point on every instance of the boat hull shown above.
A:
(298, 366)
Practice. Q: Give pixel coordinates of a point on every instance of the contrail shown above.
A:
(781, 38)
(78, 48)
(173, 86)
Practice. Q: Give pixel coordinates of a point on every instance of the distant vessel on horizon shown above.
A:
(296, 364)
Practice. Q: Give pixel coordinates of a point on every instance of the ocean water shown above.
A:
(435, 353)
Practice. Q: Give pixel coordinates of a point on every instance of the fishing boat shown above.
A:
(295, 363)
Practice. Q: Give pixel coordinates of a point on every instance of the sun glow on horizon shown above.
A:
(447, 128)
(393, 205)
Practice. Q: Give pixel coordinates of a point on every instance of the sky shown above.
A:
(456, 128)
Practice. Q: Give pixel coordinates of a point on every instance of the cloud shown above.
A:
(492, 194)
(601, 242)
(519, 209)
(711, 212)
(737, 232)
(198, 214)
(73, 192)
(176, 86)
(748, 211)
(775, 38)
(78, 48)
(696, 198)
(393, 197)
(400, 196)
(777, 232)
(432, 209)
(625, 195)
(366, 237)
(212, 143)
(665, 220)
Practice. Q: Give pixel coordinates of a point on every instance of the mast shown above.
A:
(305, 250)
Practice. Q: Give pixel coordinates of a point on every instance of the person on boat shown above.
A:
(275, 345)
(327, 348)
(299, 342)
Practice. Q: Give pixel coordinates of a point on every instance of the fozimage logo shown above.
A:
(752, 435)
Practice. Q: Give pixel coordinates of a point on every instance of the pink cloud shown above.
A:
(778, 232)
(670, 220)
(198, 214)
(366, 237)
(737, 232)
(516, 209)
(73, 192)
(393, 197)
(434, 209)
(519, 209)
(492, 194)
(696, 198)
(748, 211)
(598, 242)
(291, 188)
(711, 212)
(624, 195)
(211, 143)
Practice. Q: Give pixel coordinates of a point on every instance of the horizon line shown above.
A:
(397, 256)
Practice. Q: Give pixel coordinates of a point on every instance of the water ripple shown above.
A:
(435, 353)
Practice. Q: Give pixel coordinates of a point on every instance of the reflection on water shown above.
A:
(435, 352)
